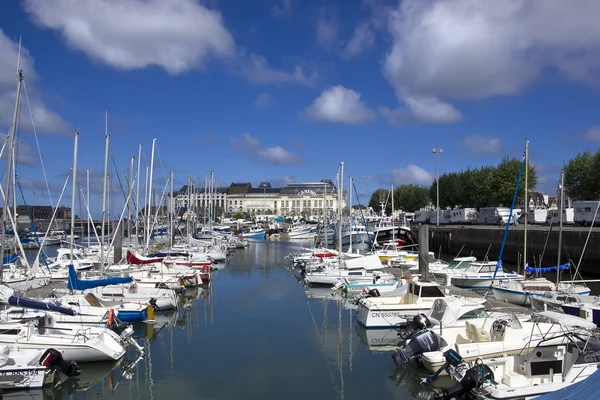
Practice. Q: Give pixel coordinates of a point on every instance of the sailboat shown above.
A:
(520, 292)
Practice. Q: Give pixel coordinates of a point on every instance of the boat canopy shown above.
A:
(448, 310)
(370, 262)
(588, 388)
(566, 320)
(77, 284)
(169, 254)
(532, 270)
(10, 259)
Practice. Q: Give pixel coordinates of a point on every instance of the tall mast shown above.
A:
(87, 185)
(526, 206)
(560, 225)
(8, 172)
(340, 207)
(146, 204)
(129, 208)
(137, 197)
(170, 210)
(394, 226)
(150, 193)
(104, 196)
(74, 189)
(350, 216)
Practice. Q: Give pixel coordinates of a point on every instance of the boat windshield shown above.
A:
(459, 264)
(431, 291)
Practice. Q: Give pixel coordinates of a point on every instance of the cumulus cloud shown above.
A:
(282, 9)
(361, 40)
(481, 145)
(282, 181)
(341, 105)
(326, 29)
(26, 155)
(46, 120)
(412, 174)
(593, 134)
(176, 35)
(464, 49)
(276, 155)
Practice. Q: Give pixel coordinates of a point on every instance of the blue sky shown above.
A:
(283, 90)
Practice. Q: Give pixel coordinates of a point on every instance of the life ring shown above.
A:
(111, 317)
(222, 247)
(205, 269)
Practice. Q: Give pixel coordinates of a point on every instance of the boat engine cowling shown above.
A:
(53, 359)
(418, 323)
(421, 342)
(473, 378)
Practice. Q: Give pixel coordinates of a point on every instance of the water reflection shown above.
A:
(379, 339)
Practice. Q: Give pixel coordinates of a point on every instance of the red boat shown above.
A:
(136, 259)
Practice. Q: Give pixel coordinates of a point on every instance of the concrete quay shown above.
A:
(478, 238)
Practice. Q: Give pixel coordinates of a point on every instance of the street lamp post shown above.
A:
(367, 177)
(437, 183)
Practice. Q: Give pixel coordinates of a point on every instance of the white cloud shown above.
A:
(477, 144)
(412, 174)
(361, 40)
(593, 134)
(257, 70)
(339, 104)
(430, 109)
(175, 35)
(327, 29)
(280, 10)
(465, 49)
(276, 155)
(26, 155)
(262, 101)
(46, 120)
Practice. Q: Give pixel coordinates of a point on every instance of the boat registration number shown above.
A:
(390, 314)
(24, 372)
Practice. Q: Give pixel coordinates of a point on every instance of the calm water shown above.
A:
(254, 334)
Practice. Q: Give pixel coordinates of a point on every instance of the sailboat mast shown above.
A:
(171, 209)
(350, 216)
(87, 195)
(7, 176)
(340, 208)
(102, 229)
(560, 225)
(526, 207)
(393, 225)
(74, 189)
(129, 200)
(137, 197)
(150, 194)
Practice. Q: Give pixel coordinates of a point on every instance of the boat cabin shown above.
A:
(461, 263)
(421, 289)
(482, 267)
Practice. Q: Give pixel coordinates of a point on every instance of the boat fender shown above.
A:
(421, 342)
(53, 359)
(473, 378)
(111, 317)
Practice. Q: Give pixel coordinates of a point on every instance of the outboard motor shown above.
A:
(373, 293)
(418, 323)
(473, 378)
(421, 342)
(53, 359)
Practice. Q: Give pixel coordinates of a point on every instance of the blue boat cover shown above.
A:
(531, 270)
(167, 255)
(38, 305)
(588, 388)
(77, 284)
(10, 259)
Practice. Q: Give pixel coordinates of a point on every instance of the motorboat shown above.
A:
(546, 368)
(481, 275)
(386, 312)
(254, 233)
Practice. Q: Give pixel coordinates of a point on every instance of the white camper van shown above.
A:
(491, 215)
(422, 216)
(463, 216)
(554, 217)
(585, 213)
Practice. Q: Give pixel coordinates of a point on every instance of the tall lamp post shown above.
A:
(437, 184)
(367, 177)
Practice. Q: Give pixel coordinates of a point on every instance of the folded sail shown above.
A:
(77, 284)
(38, 305)
(532, 270)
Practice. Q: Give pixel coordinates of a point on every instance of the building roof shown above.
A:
(312, 188)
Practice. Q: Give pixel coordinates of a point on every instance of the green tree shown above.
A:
(380, 196)
(582, 176)
(411, 198)
(238, 215)
(504, 178)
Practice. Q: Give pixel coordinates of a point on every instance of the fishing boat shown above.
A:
(254, 233)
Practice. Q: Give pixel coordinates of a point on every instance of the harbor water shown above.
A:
(255, 333)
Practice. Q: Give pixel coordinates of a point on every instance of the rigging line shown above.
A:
(37, 143)
(117, 173)
(37, 238)
(161, 163)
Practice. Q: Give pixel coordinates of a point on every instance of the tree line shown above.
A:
(582, 176)
(487, 186)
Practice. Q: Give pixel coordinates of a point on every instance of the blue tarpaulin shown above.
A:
(531, 270)
(589, 388)
(77, 284)
(10, 259)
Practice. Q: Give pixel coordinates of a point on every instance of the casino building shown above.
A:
(294, 199)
